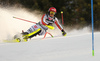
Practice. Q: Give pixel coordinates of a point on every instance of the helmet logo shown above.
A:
(52, 9)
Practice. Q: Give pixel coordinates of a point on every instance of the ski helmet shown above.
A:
(52, 9)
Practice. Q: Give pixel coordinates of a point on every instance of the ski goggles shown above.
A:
(52, 13)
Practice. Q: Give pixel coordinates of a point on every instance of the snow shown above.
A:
(69, 48)
(76, 46)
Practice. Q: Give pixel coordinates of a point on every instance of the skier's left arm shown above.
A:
(60, 27)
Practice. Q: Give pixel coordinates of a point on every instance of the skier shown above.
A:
(41, 27)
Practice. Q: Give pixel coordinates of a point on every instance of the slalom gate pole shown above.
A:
(62, 17)
(24, 20)
(92, 27)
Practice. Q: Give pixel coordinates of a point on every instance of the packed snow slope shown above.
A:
(69, 48)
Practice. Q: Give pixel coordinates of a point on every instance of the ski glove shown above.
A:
(63, 33)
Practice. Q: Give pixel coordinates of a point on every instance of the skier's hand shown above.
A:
(63, 33)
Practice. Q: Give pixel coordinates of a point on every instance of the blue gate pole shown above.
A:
(92, 27)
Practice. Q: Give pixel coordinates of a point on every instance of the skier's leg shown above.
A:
(32, 31)
(27, 35)
(36, 32)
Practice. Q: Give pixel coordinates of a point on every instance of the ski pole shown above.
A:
(50, 27)
(24, 20)
(35, 23)
(46, 34)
